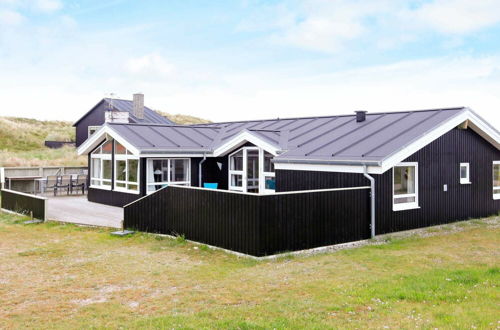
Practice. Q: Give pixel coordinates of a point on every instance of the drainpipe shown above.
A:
(372, 199)
(199, 169)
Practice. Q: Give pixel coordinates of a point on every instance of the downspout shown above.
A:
(199, 170)
(372, 200)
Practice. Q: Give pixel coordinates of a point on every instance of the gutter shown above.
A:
(372, 200)
(199, 170)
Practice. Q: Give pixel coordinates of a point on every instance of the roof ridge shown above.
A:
(332, 116)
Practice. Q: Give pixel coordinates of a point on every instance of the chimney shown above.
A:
(139, 105)
(360, 116)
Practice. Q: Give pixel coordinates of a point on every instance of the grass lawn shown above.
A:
(64, 276)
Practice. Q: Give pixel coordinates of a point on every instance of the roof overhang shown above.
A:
(474, 122)
(243, 137)
(101, 135)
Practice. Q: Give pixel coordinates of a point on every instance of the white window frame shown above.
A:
(244, 172)
(405, 206)
(149, 164)
(126, 157)
(95, 128)
(495, 196)
(238, 172)
(467, 179)
(101, 158)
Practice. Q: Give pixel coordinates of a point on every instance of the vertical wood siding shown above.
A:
(438, 164)
(254, 224)
(93, 118)
(24, 204)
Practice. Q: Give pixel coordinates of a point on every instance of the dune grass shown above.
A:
(64, 276)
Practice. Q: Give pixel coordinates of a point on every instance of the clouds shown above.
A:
(149, 65)
(10, 18)
(48, 5)
(332, 25)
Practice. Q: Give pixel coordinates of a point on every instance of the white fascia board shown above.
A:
(174, 155)
(104, 132)
(241, 139)
(327, 168)
(475, 122)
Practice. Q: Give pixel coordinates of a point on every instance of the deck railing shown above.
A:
(25, 204)
(255, 224)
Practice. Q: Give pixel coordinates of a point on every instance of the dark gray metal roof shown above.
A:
(150, 116)
(331, 138)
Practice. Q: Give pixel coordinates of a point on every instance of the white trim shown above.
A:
(244, 172)
(465, 180)
(495, 196)
(242, 138)
(326, 168)
(95, 128)
(25, 194)
(103, 133)
(411, 205)
(168, 182)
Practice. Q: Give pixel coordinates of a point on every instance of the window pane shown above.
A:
(133, 187)
(121, 185)
(496, 175)
(270, 183)
(179, 169)
(106, 169)
(95, 182)
(496, 191)
(404, 180)
(119, 149)
(463, 172)
(96, 168)
(97, 151)
(268, 165)
(107, 147)
(120, 170)
(236, 180)
(402, 200)
(106, 183)
(132, 170)
(236, 161)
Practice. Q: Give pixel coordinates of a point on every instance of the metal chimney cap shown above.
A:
(360, 115)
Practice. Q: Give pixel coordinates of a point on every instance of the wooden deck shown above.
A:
(78, 210)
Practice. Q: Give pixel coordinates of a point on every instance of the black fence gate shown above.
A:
(254, 224)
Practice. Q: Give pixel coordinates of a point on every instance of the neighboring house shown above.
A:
(428, 166)
(116, 110)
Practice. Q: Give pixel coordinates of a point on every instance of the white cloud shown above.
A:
(150, 64)
(48, 5)
(458, 16)
(10, 17)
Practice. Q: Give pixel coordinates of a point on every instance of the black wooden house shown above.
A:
(424, 167)
(116, 110)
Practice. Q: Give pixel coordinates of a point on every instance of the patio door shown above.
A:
(252, 172)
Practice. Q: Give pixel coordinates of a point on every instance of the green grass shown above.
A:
(65, 276)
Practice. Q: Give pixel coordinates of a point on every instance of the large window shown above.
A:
(126, 170)
(496, 179)
(405, 186)
(162, 172)
(101, 167)
(251, 170)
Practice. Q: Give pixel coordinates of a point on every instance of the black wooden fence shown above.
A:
(258, 225)
(22, 203)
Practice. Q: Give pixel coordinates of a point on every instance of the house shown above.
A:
(425, 167)
(116, 110)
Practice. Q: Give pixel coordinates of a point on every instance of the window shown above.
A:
(126, 170)
(162, 172)
(101, 167)
(236, 170)
(405, 186)
(464, 173)
(92, 130)
(496, 179)
(251, 170)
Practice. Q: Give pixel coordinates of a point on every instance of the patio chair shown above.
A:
(51, 183)
(64, 182)
(80, 182)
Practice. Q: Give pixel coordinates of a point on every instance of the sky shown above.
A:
(249, 59)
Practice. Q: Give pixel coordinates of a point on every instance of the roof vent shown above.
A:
(360, 116)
